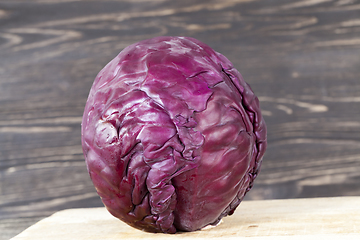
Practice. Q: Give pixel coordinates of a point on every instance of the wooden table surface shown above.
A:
(285, 219)
(302, 59)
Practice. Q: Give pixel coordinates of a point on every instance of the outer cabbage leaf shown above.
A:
(172, 135)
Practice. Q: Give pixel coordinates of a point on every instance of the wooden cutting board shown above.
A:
(318, 218)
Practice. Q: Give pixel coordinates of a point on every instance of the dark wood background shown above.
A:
(302, 59)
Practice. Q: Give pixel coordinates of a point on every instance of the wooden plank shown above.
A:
(327, 218)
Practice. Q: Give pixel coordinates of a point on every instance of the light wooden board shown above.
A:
(317, 218)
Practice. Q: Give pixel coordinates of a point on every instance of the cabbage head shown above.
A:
(172, 135)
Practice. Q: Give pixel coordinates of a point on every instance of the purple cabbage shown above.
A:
(172, 135)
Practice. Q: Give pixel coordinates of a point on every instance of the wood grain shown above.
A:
(318, 218)
(300, 57)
